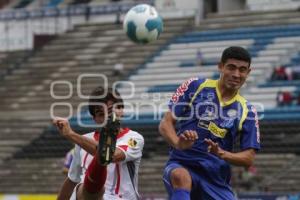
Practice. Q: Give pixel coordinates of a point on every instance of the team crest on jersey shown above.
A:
(232, 113)
(132, 143)
(181, 89)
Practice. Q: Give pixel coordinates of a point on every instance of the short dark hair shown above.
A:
(103, 95)
(236, 52)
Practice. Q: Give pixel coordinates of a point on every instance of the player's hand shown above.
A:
(63, 126)
(213, 147)
(186, 139)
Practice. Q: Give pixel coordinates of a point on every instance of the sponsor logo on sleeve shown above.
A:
(253, 109)
(181, 89)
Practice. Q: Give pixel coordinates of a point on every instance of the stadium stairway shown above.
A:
(25, 93)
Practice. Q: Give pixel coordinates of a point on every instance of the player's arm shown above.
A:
(66, 189)
(178, 105)
(129, 149)
(89, 145)
(244, 158)
(249, 142)
(167, 130)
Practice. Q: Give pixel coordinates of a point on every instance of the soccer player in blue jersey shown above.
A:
(210, 116)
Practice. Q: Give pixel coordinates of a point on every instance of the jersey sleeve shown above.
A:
(250, 135)
(182, 97)
(75, 168)
(132, 147)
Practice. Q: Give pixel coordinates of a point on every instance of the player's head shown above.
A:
(234, 67)
(104, 101)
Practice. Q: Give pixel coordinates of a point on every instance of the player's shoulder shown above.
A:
(204, 82)
(135, 134)
(242, 100)
(246, 104)
(193, 82)
(196, 81)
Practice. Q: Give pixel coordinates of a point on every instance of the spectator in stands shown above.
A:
(209, 123)
(296, 73)
(289, 73)
(284, 98)
(118, 69)
(278, 74)
(199, 57)
(118, 16)
(112, 161)
(68, 161)
(87, 13)
(298, 98)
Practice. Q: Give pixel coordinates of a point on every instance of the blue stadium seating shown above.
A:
(54, 3)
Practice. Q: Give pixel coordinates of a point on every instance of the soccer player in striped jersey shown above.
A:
(211, 115)
(105, 162)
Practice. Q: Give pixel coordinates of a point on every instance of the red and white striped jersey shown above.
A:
(122, 177)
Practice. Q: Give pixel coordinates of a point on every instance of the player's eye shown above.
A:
(243, 69)
(119, 106)
(231, 67)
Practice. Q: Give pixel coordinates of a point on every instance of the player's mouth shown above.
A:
(232, 82)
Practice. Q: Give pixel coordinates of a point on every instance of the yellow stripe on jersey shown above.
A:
(243, 102)
(224, 103)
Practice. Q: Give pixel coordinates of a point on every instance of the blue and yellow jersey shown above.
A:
(197, 105)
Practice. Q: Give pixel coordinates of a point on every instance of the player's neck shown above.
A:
(226, 94)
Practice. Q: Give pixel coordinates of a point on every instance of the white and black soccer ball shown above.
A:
(142, 24)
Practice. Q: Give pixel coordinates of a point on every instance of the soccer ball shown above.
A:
(142, 24)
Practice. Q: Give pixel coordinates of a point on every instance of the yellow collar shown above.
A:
(225, 103)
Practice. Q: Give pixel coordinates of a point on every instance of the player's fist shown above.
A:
(186, 139)
(62, 125)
